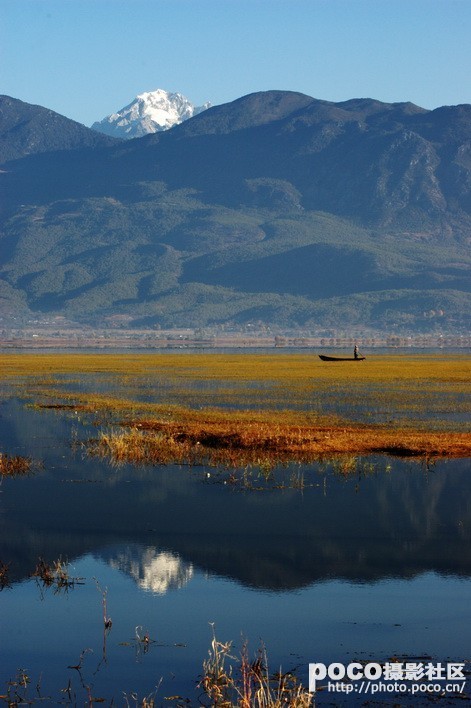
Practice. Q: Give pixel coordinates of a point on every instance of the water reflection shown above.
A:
(163, 522)
(153, 570)
(363, 566)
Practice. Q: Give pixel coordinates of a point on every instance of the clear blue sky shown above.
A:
(87, 58)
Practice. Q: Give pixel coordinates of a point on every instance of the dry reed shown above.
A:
(55, 574)
(4, 575)
(12, 466)
(238, 443)
(246, 683)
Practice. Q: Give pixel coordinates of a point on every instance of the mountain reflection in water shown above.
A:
(395, 523)
(364, 566)
(152, 570)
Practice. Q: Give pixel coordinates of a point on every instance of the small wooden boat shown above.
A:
(339, 358)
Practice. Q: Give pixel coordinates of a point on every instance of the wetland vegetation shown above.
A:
(234, 410)
(353, 545)
(12, 465)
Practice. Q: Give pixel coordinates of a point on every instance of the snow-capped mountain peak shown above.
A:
(150, 112)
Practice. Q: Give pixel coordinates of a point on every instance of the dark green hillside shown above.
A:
(276, 209)
(374, 163)
(173, 260)
(27, 130)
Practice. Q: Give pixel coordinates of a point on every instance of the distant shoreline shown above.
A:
(80, 340)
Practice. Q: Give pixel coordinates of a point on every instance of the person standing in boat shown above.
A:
(355, 352)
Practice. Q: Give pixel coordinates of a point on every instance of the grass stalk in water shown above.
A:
(12, 466)
(230, 682)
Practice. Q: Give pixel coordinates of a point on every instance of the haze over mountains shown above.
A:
(276, 209)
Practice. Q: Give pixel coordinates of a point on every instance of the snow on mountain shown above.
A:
(150, 112)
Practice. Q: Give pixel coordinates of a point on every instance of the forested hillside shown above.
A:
(275, 209)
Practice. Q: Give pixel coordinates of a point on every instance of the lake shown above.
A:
(364, 566)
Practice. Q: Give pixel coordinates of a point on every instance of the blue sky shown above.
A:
(87, 58)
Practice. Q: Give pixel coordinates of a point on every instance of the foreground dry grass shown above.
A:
(13, 466)
(256, 409)
(229, 681)
(236, 443)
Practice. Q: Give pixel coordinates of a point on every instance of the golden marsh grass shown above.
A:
(238, 444)
(240, 409)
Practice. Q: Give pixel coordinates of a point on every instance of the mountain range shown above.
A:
(149, 112)
(28, 130)
(275, 209)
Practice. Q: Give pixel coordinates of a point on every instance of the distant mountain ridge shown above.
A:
(361, 159)
(26, 129)
(277, 209)
(149, 112)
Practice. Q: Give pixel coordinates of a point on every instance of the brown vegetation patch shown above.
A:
(237, 443)
(4, 575)
(11, 466)
(63, 406)
(55, 574)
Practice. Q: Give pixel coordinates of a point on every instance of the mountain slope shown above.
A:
(276, 208)
(28, 130)
(383, 164)
(149, 112)
(362, 159)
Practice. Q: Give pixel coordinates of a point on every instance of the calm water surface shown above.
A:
(364, 567)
